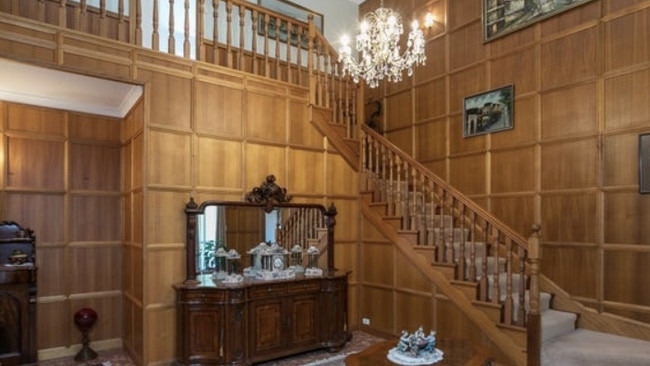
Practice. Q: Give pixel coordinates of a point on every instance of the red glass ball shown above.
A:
(85, 318)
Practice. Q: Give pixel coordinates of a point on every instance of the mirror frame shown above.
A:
(267, 197)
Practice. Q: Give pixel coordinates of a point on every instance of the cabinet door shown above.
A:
(205, 334)
(303, 313)
(267, 327)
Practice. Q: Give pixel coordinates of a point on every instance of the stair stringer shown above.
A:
(320, 118)
(589, 318)
(515, 354)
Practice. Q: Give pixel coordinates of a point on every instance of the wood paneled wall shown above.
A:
(200, 131)
(61, 177)
(582, 80)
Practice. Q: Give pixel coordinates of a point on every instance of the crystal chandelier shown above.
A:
(379, 51)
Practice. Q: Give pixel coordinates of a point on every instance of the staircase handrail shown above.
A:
(518, 238)
(386, 164)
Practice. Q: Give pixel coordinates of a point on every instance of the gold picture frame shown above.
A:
(501, 17)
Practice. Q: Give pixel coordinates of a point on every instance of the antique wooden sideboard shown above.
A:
(259, 318)
(17, 295)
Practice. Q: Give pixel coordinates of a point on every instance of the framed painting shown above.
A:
(290, 10)
(488, 112)
(644, 163)
(501, 17)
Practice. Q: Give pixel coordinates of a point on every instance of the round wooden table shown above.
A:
(456, 352)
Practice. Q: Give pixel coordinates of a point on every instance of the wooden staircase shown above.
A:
(454, 252)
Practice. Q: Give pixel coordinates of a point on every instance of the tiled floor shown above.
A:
(360, 341)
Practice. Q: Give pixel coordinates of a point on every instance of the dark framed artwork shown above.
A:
(644, 163)
(488, 112)
(501, 17)
(291, 10)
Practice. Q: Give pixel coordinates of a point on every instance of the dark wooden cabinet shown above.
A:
(17, 295)
(222, 324)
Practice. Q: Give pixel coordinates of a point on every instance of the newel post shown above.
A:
(534, 333)
(330, 222)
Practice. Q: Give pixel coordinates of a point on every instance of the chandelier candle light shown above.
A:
(378, 46)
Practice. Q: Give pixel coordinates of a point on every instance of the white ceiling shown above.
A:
(28, 84)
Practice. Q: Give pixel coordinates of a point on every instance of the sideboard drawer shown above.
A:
(268, 290)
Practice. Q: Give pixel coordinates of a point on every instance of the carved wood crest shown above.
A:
(268, 193)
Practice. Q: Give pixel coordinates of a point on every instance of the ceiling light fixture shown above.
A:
(379, 51)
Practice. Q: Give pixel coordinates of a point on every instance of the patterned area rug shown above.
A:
(359, 342)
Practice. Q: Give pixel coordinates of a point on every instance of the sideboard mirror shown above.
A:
(265, 216)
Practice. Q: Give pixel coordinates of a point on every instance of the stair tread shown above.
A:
(588, 347)
(556, 323)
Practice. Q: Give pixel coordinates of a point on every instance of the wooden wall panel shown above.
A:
(52, 281)
(413, 311)
(164, 87)
(341, 178)
(27, 118)
(137, 163)
(91, 127)
(509, 69)
(432, 140)
(56, 331)
(94, 167)
(461, 12)
(517, 212)
(436, 52)
(35, 164)
(467, 173)
(262, 160)
(378, 306)
(301, 133)
(218, 109)
(306, 173)
(623, 212)
(162, 341)
(460, 144)
(617, 149)
(569, 217)
(557, 69)
(403, 139)
(382, 272)
(565, 264)
(87, 211)
(560, 118)
(626, 103)
(347, 218)
(165, 207)
(512, 171)
(166, 267)
(95, 268)
(44, 213)
(467, 82)
(266, 117)
(571, 164)
(467, 49)
(407, 278)
(169, 159)
(346, 259)
(399, 110)
(218, 163)
(622, 284)
(631, 50)
(430, 99)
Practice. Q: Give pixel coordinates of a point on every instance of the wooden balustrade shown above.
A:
(232, 33)
(456, 227)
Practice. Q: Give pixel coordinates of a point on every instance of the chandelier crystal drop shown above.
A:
(379, 51)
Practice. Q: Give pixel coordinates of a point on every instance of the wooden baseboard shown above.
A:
(59, 352)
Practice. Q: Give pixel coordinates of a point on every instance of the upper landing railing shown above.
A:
(237, 34)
